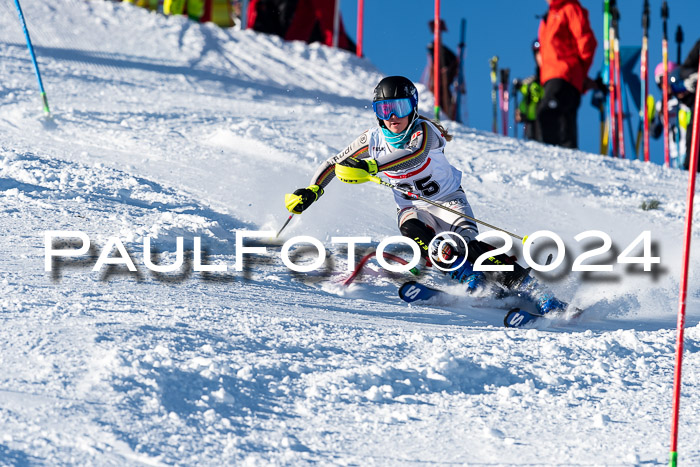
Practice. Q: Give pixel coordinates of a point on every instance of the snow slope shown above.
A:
(163, 128)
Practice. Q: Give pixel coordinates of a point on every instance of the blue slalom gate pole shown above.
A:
(31, 53)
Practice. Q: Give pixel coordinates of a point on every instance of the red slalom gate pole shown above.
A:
(695, 146)
(618, 101)
(612, 94)
(366, 258)
(360, 26)
(615, 44)
(436, 59)
(645, 104)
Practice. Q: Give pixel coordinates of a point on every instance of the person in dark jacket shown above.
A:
(678, 118)
(567, 46)
(449, 67)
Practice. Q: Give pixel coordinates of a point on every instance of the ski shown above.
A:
(413, 291)
(517, 318)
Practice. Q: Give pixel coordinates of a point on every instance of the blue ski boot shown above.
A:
(474, 281)
(465, 274)
(548, 303)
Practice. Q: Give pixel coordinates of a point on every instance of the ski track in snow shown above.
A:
(163, 128)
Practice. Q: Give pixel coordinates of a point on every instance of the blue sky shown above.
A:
(396, 34)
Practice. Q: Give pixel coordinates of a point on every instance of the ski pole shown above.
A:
(379, 181)
(285, 225)
(31, 53)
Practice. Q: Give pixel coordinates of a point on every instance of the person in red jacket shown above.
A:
(567, 45)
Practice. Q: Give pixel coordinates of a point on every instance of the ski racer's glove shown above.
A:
(353, 170)
(302, 198)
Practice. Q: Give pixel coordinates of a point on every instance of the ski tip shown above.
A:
(516, 318)
(404, 287)
(413, 291)
(511, 315)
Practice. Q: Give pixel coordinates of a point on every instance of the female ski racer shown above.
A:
(410, 150)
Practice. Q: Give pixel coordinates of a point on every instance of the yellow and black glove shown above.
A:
(651, 107)
(302, 198)
(353, 170)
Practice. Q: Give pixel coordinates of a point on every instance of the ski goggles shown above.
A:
(399, 107)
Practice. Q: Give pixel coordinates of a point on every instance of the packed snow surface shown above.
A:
(161, 129)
